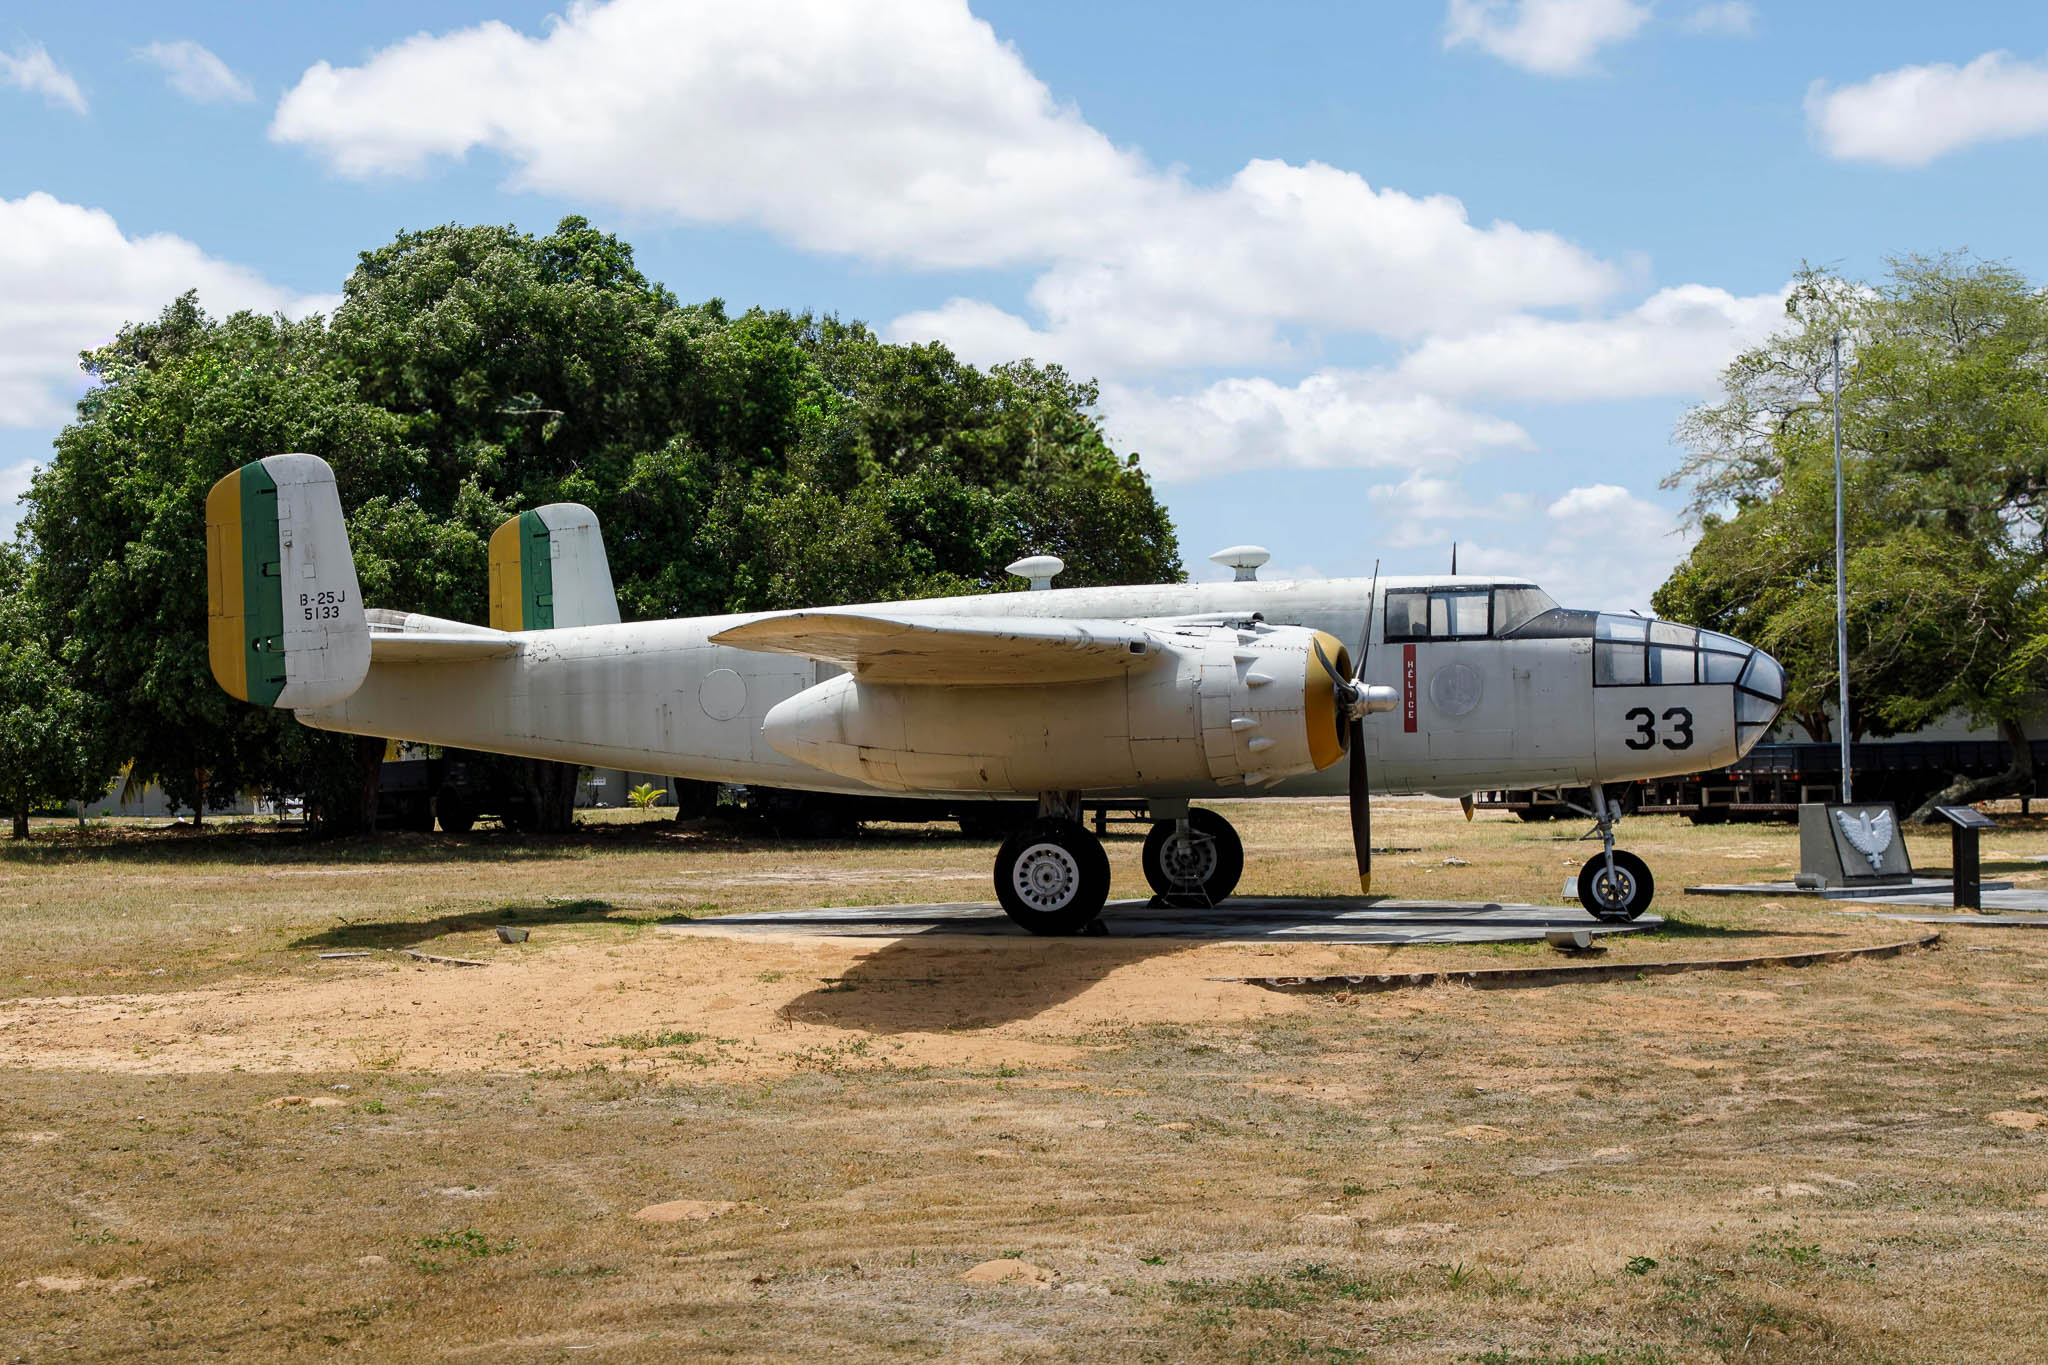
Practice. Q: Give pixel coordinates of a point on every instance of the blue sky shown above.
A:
(1357, 280)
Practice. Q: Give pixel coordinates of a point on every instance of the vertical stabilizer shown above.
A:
(548, 571)
(284, 617)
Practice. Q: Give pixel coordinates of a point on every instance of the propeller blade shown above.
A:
(1465, 803)
(1361, 809)
(1345, 687)
(1372, 598)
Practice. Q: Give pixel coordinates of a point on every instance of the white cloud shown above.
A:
(903, 132)
(1675, 342)
(30, 68)
(1333, 419)
(69, 279)
(897, 130)
(1910, 116)
(1548, 37)
(1729, 19)
(1595, 546)
(1224, 275)
(1412, 506)
(196, 73)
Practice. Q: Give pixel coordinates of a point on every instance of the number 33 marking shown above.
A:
(1678, 718)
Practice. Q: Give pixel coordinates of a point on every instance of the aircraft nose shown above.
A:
(1759, 696)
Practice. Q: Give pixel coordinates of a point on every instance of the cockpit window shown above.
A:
(1634, 651)
(1512, 607)
(1438, 614)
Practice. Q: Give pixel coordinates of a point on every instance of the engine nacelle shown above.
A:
(1234, 705)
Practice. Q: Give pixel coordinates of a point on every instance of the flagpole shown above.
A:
(1841, 583)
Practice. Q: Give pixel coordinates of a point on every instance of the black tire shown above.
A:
(1624, 898)
(1052, 877)
(1535, 813)
(1709, 815)
(456, 815)
(1216, 861)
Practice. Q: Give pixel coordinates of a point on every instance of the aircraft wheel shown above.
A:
(1206, 865)
(1052, 877)
(1620, 896)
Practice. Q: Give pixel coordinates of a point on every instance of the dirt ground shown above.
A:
(214, 1141)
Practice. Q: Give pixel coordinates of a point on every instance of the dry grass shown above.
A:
(1778, 1166)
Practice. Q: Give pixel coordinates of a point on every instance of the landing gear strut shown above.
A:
(1052, 876)
(1614, 885)
(1194, 859)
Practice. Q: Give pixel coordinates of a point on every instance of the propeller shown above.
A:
(1359, 700)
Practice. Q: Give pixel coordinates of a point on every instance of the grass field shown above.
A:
(215, 1143)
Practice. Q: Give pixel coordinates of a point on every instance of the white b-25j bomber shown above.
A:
(1167, 694)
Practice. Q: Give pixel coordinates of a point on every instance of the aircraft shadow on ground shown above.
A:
(413, 933)
(936, 980)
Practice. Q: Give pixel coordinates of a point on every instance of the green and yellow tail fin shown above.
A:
(549, 572)
(284, 616)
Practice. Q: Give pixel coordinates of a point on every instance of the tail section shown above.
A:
(548, 571)
(284, 617)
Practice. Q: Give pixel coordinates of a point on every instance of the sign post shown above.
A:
(1841, 587)
(1965, 822)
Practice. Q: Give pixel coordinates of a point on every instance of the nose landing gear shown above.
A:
(1614, 885)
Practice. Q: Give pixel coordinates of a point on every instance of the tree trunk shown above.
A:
(369, 769)
(2017, 780)
(694, 800)
(21, 818)
(550, 794)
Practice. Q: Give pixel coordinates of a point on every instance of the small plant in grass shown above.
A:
(645, 795)
(1640, 1265)
(462, 1246)
(373, 1106)
(640, 1042)
(1779, 1246)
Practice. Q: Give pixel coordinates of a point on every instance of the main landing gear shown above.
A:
(1614, 885)
(1052, 876)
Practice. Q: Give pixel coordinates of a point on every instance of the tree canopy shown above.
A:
(48, 751)
(1945, 443)
(764, 460)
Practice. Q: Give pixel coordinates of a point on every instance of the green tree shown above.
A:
(117, 520)
(1945, 441)
(736, 463)
(48, 750)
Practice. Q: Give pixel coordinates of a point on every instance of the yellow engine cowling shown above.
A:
(1217, 705)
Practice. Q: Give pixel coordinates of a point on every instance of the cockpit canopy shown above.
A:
(1631, 651)
(1462, 613)
(1628, 651)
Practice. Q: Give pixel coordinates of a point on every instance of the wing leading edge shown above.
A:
(883, 647)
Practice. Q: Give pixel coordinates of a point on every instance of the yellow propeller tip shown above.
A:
(1365, 886)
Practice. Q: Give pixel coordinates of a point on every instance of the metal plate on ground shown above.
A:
(1251, 919)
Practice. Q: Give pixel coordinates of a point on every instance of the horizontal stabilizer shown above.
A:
(419, 647)
(956, 650)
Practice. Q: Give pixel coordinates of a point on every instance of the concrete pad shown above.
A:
(1905, 893)
(1958, 917)
(1252, 919)
(2021, 909)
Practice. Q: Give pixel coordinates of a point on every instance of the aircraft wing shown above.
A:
(949, 650)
